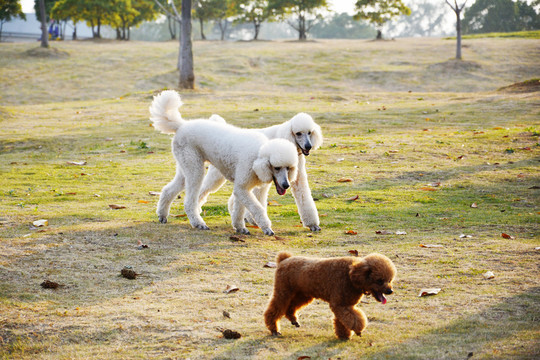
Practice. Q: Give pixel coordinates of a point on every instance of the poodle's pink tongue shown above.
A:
(280, 190)
(383, 300)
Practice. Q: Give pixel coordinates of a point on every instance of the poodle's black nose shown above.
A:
(388, 291)
(285, 185)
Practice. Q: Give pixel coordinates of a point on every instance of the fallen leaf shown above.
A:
(497, 128)
(350, 232)
(429, 291)
(327, 196)
(178, 215)
(342, 180)
(142, 202)
(465, 236)
(116, 207)
(39, 223)
(352, 198)
(226, 314)
(428, 189)
(270, 264)
(506, 236)
(273, 203)
(489, 275)
(460, 157)
(154, 193)
(305, 357)
(252, 226)
(474, 205)
(401, 233)
(236, 238)
(434, 184)
(141, 246)
(534, 187)
(393, 151)
(47, 284)
(384, 232)
(78, 163)
(353, 252)
(230, 334)
(279, 237)
(71, 193)
(230, 289)
(340, 159)
(431, 246)
(129, 273)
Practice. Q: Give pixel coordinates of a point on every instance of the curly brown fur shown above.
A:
(339, 281)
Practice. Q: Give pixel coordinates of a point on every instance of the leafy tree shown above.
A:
(129, 13)
(500, 16)
(217, 10)
(8, 10)
(341, 26)
(169, 9)
(304, 13)
(378, 12)
(457, 10)
(254, 12)
(426, 19)
(65, 10)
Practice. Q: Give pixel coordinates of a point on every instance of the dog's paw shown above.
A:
(314, 228)
(243, 231)
(162, 219)
(201, 227)
(276, 333)
(295, 323)
(268, 232)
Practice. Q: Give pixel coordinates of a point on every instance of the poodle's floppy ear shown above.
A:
(316, 137)
(359, 273)
(261, 166)
(293, 173)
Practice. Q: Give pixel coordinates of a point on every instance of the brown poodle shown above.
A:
(339, 281)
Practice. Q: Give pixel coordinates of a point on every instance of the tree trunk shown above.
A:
(43, 19)
(257, 28)
(302, 28)
(458, 35)
(74, 36)
(1, 26)
(202, 29)
(379, 35)
(187, 77)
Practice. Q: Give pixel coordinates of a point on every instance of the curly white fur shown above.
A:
(300, 130)
(242, 156)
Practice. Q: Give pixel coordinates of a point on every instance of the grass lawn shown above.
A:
(443, 151)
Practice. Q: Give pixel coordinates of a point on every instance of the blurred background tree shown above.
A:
(500, 16)
(378, 12)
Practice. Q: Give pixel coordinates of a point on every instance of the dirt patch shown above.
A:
(52, 53)
(527, 86)
(455, 65)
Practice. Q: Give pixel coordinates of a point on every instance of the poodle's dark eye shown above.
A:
(309, 133)
(277, 168)
(298, 133)
(380, 282)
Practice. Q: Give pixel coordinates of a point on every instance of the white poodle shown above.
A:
(302, 131)
(244, 157)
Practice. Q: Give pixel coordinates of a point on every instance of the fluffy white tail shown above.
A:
(164, 112)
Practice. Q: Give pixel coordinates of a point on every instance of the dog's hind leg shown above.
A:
(211, 183)
(193, 166)
(349, 318)
(254, 207)
(341, 330)
(168, 193)
(298, 302)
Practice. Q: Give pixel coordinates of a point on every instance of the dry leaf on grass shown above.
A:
(352, 198)
(384, 232)
(434, 184)
(489, 275)
(430, 246)
(429, 291)
(230, 334)
(353, 252)
(252, 226)
(327, 196)
(465, 236)
(270, 264)
(178, 215)
(226, 314)
(399, 232)
(279, 237)
(116, 207)
(273, 203)
(141, 246)
(236, 238)
(350, 232)
(230, 289)
(78, 163)
(142, 202)
(154, 193)
(305, 357)
(39, 223)
(428, 189)
(129, 273)
(47, 284)
(506, 236)
(343, 179)
(474, 205)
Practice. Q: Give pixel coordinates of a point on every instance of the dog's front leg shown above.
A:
(238, 212)
(249, 200)
(302, 196)
(348, 318)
